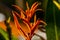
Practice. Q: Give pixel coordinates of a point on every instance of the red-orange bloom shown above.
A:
(26, 16)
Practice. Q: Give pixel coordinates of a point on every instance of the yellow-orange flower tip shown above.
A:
(27, 5)
(8, 21)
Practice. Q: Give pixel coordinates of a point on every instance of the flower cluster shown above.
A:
(26, 16)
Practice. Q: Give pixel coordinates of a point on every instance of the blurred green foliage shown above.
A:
(53, 23)
(4, 35)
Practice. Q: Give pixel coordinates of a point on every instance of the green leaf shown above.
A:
(4, 33)
(53, 23)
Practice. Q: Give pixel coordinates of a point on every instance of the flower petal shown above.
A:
(35, 26)
(27, 5)
(20, 9)
(18, 25)
(34, 5)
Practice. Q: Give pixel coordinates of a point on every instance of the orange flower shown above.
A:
(26, 16)
(29, 12)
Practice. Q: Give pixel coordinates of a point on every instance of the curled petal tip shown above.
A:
(34, 4)
(43, 22)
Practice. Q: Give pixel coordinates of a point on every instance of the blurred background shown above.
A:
(50, 14)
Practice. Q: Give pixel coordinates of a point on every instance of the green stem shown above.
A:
(55, 23)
